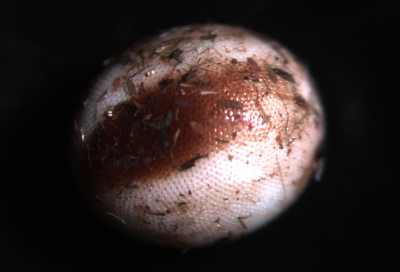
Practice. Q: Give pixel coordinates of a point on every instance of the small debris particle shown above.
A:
(175, 54)
(222, 140)
(154, 212)
(169, 117)
(283, 74)
(165, 82)
(160, 49)
(231, 104)
(234, 136)
(117, 217)
(190, 163)
(270, 72)
(253, 65)
(101, 97)
(300, 101)
(202, 92)
(208, 37)
(190, 74)
(131, 89)
(241, 222)
(253, 77)
(182, 103)
(234, 61)
(146, 118)
(116, 84)
(157, 124)
(197, 128)
(278, 139)
(265, 119)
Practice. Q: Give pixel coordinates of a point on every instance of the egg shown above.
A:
(201, 134)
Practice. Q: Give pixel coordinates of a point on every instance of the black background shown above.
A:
(51, 52)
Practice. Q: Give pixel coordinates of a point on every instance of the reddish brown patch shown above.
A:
(162, 136)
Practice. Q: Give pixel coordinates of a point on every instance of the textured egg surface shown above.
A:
(203, 133)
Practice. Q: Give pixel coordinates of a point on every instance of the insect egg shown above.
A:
(201, 134)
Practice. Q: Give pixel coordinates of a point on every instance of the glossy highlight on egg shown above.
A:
(201, 134)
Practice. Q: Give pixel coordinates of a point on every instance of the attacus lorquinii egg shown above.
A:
(201, 134)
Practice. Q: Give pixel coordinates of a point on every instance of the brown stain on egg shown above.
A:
(170, 131)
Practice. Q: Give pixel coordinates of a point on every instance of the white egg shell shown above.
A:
(203, 133)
